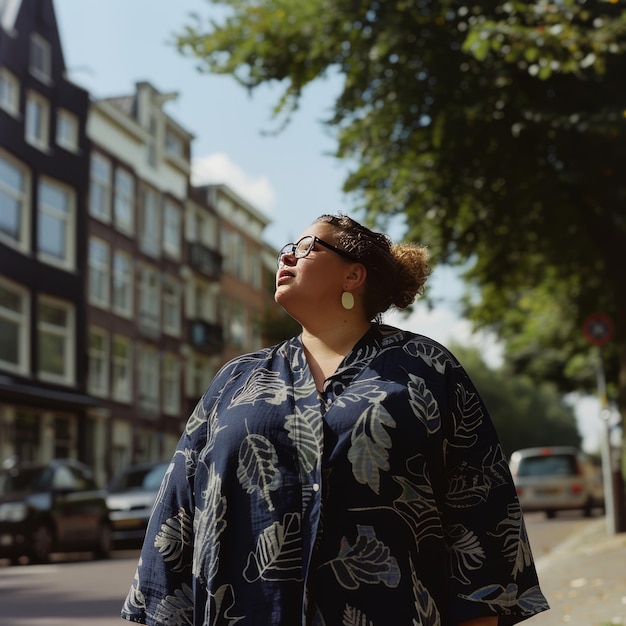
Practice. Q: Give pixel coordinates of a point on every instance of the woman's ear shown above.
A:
(355, 277)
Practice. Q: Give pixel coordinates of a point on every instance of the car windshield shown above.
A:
(146, 478)
(23, 479)
(550, 465)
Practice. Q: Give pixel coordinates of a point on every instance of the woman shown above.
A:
(348, 476)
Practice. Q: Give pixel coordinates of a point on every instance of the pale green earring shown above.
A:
(347, 300)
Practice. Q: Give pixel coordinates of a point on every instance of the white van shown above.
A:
(556, 478)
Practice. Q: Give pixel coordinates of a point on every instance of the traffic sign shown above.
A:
(598, 329)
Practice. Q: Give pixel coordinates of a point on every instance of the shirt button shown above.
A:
(316, 487)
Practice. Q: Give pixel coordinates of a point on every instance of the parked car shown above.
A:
(52, 507)
(130, 500)
(556, 478)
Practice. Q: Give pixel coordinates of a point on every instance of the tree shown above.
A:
(497, 129)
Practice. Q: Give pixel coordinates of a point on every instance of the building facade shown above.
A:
(43, 181)
(123, 288)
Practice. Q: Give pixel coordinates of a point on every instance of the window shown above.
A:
(171, 385)
(202, 372)
(149, 381)
(98, 362)
(149, 298)
(100, 187)
(9, 92)
(151, 141)
(55, 225)
(122, 370)
(173, 144)
(37, 120)
(172, 307)
(14, 203)
(99, 272)
(40, 58)
(122, 284)
(172, 229)
(13, 328)
(67, 130)
(151, 223)
(124, 203)
(55, 334)
(255, 268)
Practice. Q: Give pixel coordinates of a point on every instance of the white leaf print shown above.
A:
(219, 607)
(354, 617)
(423, 404)
(370, 443)
(196, 419)
(362, 390)
(175, 534)
(418, 507)
(516, 547)
(135, 597)
(209, 523)
(369, 561)
(263, 385)
(498, 597)
(278, 554)
(305, 430)
(176, 609)
(468, 417)
(466, 553)
(431, 353)
(258, 467)
(427, 612)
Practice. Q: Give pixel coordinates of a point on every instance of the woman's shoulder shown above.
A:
(417, 345)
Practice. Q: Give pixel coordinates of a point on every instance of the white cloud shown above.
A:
(218, 168)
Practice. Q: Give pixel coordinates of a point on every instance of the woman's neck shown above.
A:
(326, 349)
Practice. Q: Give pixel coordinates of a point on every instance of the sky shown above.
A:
(290, 176)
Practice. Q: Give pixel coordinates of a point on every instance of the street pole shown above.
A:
(607, 466)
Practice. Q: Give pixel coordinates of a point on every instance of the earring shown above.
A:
(347, 300)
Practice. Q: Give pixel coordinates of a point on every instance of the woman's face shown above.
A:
(312, 284)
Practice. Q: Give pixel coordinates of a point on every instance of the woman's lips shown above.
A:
(284, 276)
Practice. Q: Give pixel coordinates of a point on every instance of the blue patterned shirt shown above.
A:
(385, 499)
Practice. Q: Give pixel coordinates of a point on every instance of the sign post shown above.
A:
(598, 329)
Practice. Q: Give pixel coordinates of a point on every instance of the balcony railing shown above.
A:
(205, 260)
(205, 336)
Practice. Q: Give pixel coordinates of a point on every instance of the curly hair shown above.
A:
(396, 273)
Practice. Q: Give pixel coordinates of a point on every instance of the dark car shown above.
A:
(130, 500)
(51, 507)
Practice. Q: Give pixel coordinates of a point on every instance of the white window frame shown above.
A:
(171, 385)
(37, 122)
(9, 92)
(18, 317)
(149, 297)
(100, 173)
(64, 217)
(21, 198)
(98, 379)
(124, 201)
(148, 383)
(174, 145)
(40, 68)
(172, 306)
(67, 336)
(150, 235)
(172, 228)
(123, 284)
(122, 374)
(99, 260)
(67, 130)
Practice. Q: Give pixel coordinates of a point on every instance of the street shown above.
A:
(75, 590)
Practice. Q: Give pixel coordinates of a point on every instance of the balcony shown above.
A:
(205, 260)
(205, 336)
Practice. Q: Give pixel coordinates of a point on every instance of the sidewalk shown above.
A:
(584, 579)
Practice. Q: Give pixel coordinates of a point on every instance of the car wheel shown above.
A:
(550, 513)
(42, 541)
(588, 509)
(105, 542)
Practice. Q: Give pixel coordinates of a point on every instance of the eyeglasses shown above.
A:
(302, 248)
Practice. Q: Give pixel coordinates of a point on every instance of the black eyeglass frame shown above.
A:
(291, 248)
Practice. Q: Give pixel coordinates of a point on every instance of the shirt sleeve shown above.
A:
(491, 566)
